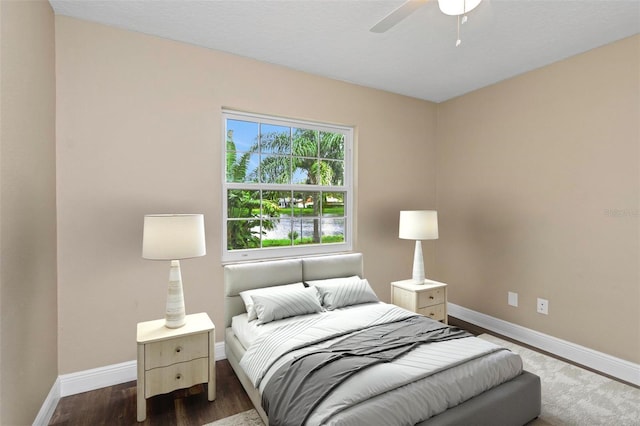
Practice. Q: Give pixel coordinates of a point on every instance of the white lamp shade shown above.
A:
(457, 7)
(418, 225)
(173, 236)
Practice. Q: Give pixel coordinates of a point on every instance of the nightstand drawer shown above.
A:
(431, 297)
(176, 376)
(167, 352)
(435, 312)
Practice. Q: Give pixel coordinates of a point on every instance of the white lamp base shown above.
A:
(418, 264)
(175, 316)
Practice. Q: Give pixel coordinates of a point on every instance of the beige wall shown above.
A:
(538, 192)
(537, 184)
(139, 131)
(28, 303)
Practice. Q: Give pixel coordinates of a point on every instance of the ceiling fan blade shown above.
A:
(397, 15)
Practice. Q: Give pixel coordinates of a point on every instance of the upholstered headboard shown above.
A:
(245, 276)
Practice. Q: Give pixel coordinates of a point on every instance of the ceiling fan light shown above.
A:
(457, 7)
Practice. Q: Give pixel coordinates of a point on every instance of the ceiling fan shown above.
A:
(448, 7)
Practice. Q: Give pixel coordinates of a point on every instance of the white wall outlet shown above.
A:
(513, 299)
(543, 306)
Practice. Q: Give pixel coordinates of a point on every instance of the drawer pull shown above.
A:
(179, 349)
(178, 376)
(431, 297)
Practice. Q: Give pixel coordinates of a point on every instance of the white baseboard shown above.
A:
(608, 364)
(96, 378)
(49, 405)
(109, 375)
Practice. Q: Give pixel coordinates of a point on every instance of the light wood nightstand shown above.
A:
(175, 358)
(428, 299)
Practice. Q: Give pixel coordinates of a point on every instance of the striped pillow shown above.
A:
(278, 289)
(275, 306)
(339, 292)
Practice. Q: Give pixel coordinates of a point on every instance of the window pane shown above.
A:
(306, 204)
(275, 139)
(332, 145)
(276, 203)
(305, 171)
(299, 175)
(333, 172)
(243, 203)
(306, 231)
(275, 169)
(280, 235)
(333, 204)
(242, 167)
(243, 135)
(241, 234)
(333, 230)
(286, 203)
(305, 142)
(322, 172)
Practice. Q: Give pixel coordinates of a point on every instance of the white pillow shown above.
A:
(248, 302)
(275, 306)
(339, 292)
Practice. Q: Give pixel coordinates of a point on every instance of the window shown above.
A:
(287, 187)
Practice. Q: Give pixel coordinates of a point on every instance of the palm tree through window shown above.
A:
(287, 187)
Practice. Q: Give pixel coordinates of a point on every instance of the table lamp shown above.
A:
(418, 225)
(173, 237)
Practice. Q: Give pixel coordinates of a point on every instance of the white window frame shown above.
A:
(229, 256)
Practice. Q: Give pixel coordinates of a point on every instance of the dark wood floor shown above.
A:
(116, 405)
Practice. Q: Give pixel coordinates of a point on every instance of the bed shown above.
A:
(510, 398)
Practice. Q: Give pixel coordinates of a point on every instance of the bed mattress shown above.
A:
(423, 383)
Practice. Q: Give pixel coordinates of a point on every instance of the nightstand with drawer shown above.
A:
(174, 358)
(428, 299)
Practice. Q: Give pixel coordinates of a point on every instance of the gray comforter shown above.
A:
(298, 386)
(392, 393)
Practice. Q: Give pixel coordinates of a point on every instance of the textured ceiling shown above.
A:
(417, 57)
